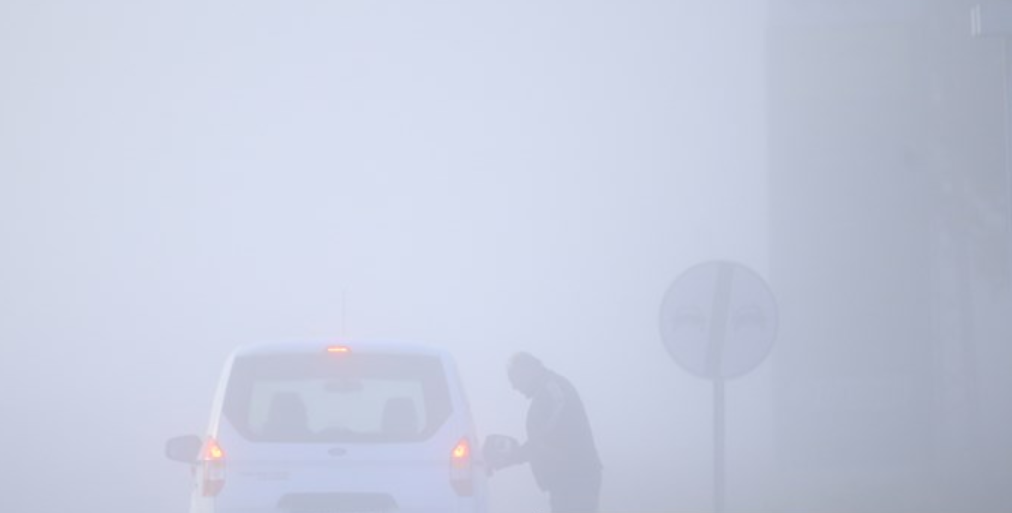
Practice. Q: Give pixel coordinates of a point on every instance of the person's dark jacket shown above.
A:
(560, 445)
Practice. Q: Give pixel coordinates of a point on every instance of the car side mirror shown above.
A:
(499, 450)
(183, 448)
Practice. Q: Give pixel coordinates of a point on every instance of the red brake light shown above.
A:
(212, 468)
(461, 452)
(213, 451)
(461, 468)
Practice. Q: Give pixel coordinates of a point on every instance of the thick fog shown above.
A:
(178, 179)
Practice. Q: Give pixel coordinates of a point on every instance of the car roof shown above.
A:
(288, 348)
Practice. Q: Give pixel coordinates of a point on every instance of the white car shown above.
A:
(312, 428)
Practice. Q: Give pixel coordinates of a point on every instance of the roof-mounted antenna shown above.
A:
(343, 333)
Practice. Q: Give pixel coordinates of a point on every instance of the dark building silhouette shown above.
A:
(889, 208)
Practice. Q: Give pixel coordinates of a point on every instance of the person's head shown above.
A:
(526, 373)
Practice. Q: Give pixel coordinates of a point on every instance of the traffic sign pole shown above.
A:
(718, 445)
(718, 321)
(719, 315)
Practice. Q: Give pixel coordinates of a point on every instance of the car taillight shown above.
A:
(460, 468)
(212, 462)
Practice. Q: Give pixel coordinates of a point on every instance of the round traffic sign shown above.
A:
(718, 320)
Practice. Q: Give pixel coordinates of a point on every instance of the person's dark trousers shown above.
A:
(576, 495)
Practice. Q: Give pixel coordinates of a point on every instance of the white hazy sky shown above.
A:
(178, 178)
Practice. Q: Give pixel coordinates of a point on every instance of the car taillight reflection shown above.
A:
(461, 467)
(212, 468)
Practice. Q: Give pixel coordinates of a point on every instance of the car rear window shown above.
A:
(337, 397)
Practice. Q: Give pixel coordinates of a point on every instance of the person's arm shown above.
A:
(553, 403)
(547, 422)
(521, 455)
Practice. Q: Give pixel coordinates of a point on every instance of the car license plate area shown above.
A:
(337, 503)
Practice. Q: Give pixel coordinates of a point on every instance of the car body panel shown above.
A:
(342, 476)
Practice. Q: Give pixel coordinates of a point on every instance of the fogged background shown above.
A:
(179, 178)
